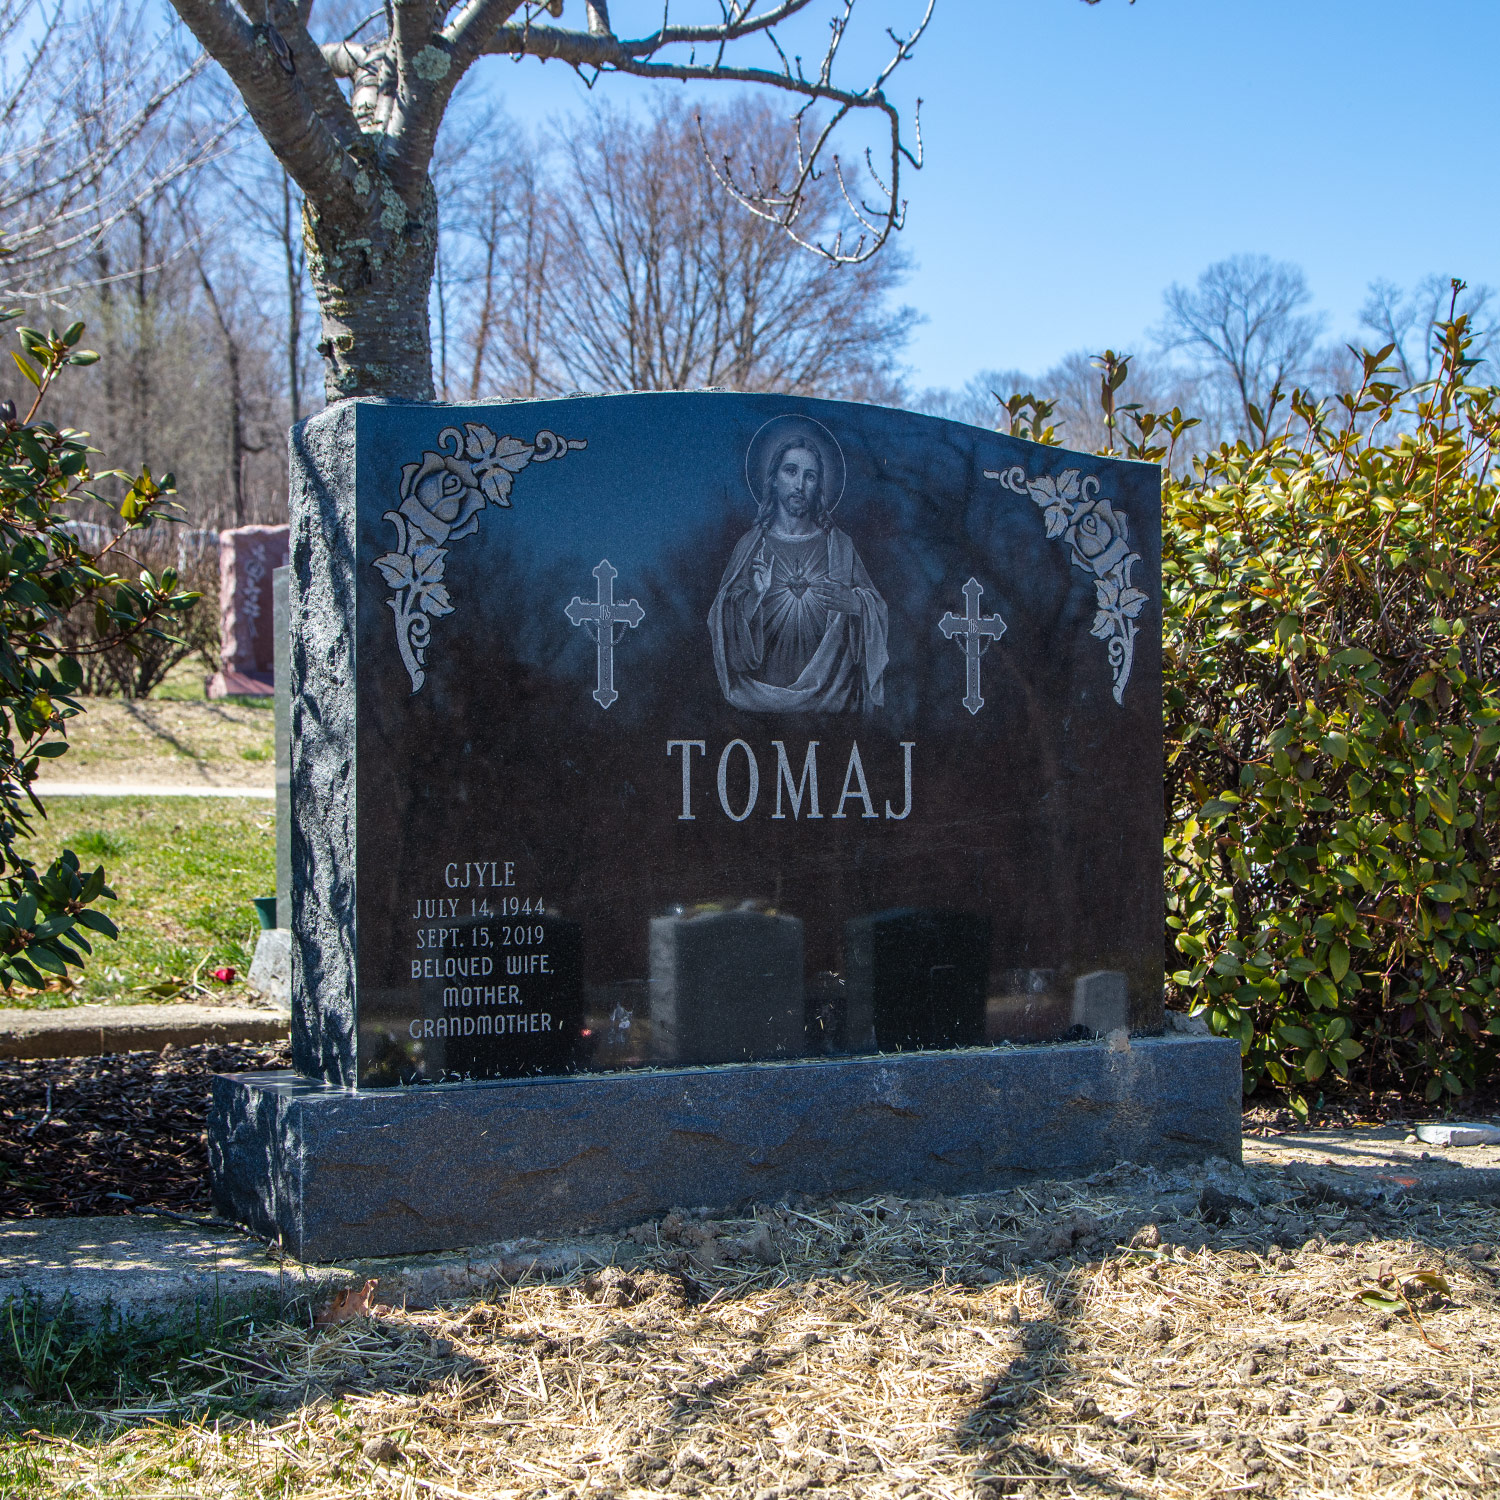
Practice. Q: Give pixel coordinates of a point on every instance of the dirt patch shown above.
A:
(159, 742)
(1104, 1338)
(1198, 1332)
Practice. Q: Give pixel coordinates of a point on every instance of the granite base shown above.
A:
(333, 1173)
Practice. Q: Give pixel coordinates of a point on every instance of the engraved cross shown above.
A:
(599, 618)
(976, 631)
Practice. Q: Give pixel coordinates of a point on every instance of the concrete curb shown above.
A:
(133, 789)
(95, 1030)
(154, 1267)
(149, 1268)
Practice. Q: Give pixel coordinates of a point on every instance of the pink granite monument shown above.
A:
(248, 556)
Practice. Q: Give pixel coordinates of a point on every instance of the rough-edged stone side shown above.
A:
(323, 743)
(281, 598)
(254, 1154)
(400, 1171)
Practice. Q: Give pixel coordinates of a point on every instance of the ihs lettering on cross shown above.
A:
(975, 631)
(599, 618)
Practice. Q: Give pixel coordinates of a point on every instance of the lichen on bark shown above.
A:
(372, 269)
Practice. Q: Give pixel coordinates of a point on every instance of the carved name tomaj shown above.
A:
(797, 791)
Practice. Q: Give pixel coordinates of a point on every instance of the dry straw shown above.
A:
(1125, 1337)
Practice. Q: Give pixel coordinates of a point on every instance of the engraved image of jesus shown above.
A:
(797, 625)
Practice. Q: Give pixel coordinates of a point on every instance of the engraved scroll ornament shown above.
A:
(1098, 536)
(441, 500)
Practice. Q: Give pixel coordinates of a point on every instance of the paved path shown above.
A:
(94, 1030)
(136, 789)
(1384, 1147)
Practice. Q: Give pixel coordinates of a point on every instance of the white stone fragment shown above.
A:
(1467, 1134)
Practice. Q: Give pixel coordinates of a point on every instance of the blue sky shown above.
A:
(1080, 158)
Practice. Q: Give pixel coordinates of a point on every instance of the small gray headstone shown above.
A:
(271, 968)
(281, 608)
(1101, 1001)
(726, 983)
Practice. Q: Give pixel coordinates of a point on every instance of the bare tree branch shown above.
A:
(287, 86)
(776, 202)
(94, 126)
(364, 161)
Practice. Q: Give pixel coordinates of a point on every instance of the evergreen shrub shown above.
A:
(1332, 683)
(44, 573)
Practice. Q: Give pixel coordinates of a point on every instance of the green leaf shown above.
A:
(96, 921)
(1320, 991)
(1338, 961)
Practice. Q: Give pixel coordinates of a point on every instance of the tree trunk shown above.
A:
(372, 273)
(293, 301)
(237, 448)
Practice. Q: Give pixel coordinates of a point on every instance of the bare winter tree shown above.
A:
(1244, 324)
(631, 268)
(1070, 390)
(363, 158)
(94, 126)
(1408, 320)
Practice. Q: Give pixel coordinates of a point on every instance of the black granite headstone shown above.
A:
(682, 786)
(616, 658)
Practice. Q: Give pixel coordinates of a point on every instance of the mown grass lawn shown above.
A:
(185, 871)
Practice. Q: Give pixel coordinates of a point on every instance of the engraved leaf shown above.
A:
(434, 600)
(395, 568)
(1104, 625)
(1107, 591)
(1057, 518)
(513, 453)
(479, 442)
(1131, 601)
(495, 486)
(1067, 485)
(427, 564)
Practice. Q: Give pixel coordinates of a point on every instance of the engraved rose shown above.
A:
(441, 497)
(1097, 536)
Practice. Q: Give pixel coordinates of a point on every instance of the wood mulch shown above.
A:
(106, 1135)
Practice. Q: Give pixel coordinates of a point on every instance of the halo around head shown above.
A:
(784, 429)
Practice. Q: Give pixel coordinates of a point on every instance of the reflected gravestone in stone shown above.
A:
(248, 556)
(809, 744)
(917, 979)
(271, 966)
(727, 986)
(282, 619)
